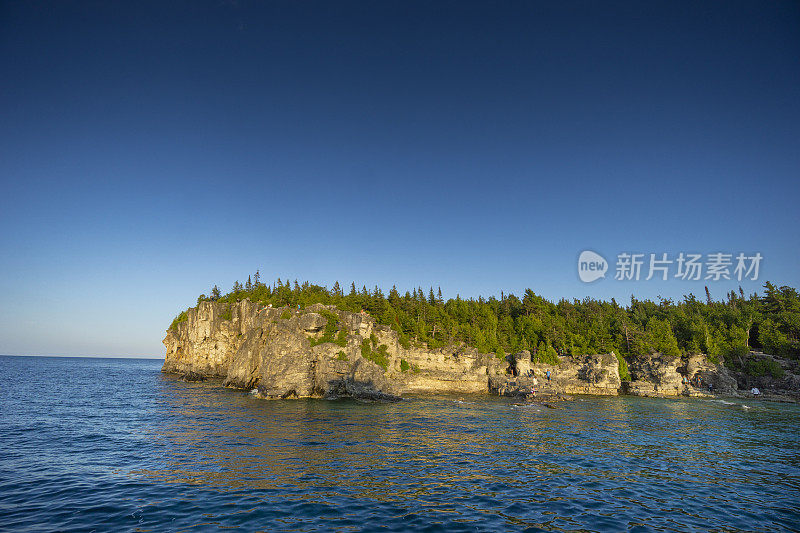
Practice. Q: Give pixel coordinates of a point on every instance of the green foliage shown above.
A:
(332, 333)
(404, 366)
(624, 373)
(721, 329)
(661, 337)
(546, 354)
(182, 317)
(764, 367)
(404, 341)
(286, 315)
(341, 356)
(500, 353)
(341, 337)
(366, 351)
(226, 314)
(378, 356)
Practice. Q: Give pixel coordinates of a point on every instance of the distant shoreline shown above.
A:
(159, 358)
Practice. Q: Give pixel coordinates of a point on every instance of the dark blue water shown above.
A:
(114, 445)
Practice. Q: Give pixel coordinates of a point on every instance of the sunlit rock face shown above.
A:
(285, 353)
(575, 374)
(275, 351)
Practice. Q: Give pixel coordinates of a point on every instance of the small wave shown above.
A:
(520, 406)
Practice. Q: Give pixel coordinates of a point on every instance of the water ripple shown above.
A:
(114, 445)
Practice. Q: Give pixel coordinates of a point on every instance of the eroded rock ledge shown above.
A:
(283, 353)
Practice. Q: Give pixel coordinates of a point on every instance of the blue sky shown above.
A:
(148, 151)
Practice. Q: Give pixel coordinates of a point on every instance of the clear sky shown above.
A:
(151, 149)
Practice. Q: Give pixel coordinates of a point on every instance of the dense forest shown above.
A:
(725, 330)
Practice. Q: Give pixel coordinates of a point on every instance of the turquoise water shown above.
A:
(114, 445)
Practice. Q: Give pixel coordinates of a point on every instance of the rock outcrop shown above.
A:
(661, 375)
(584, 374)
(282, 354)
(779, 377)
(324, 352)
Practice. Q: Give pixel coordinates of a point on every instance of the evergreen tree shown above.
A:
(725, 330)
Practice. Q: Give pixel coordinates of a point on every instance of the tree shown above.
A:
(724, 329)
(257, 279)
(661, 337)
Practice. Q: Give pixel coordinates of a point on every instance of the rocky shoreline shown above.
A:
(325, 352)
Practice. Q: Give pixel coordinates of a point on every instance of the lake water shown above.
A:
(114, 445)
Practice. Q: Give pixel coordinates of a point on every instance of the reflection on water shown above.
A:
(119, 445)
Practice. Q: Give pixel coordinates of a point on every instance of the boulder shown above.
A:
(312, 322)
(662, 371)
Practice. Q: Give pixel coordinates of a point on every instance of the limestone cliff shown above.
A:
(276, 351)
(324, 352)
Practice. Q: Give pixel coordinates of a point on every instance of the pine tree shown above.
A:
(337, 291)
(353, 289)
(215, 293)
(249, 285)
(257, 279)
(439, 298)
(394, 296)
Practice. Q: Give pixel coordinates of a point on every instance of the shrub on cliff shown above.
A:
(379, 356)
(624, 373)
(332, 333)
(764, 367)
(183, 317)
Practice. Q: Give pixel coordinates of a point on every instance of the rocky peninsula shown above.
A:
(324, 352)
